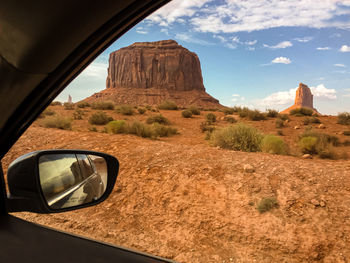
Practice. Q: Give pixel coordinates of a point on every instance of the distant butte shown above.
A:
(303, 99)
(148, 73)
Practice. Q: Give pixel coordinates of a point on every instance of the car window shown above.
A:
(231, 123)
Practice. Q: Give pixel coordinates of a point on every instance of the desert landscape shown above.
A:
(198, 181)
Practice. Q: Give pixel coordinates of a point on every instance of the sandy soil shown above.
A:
(182, 199)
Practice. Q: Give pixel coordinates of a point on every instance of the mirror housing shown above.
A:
(25, 189)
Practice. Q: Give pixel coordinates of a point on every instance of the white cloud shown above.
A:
(335, 35)
(323, 48)
(344, 48)
(237, 97)
(191, 39)
(96, 70)
(283, 44)
(321, 91)
(286, 98)
(251, 43)
(340, 65)
(165, 31)
(175, 11)
(281, 60)
(304, 39)
(250, 15)
(279, 98)
(227, 42)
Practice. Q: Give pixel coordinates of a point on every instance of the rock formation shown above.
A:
(147, 73)
(303, 99)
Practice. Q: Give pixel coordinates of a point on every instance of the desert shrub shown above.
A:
(125, 110)
(99, 118)
(271, 113)
(283, 117)
(211, 109)
(56, 103)
(280, 132)
(327, 153)
(59, 122)
(68, 106)
(141, 110)
(279, 123)
(322, 137)
(48, 112)
(344, 118)
(237, 109)
(158, 119)
(142, 130)
(308, 144)
(186, 114)
(206, 127)
(230, 119)
(319, 143)
(275, 145)
(346, 143)
(243, 112)
(103, 105)
(256, 115)
(78, 114)
(301, 112)
(266, 204)
(210, 118)
(118, 126)
(167, 105)
(346, 133)
(239, 137)
(163, 131)
(83, 104)
(308, 120)
(148, 107)
(92, 129)
(229, 111)
(194, 110)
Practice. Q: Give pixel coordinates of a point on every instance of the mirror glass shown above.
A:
(72, 179)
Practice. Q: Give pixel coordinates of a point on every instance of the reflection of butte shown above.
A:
(303, 99)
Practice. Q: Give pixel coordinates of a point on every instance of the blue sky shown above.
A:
(252, 53)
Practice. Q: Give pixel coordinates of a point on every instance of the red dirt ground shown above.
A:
(182, 199)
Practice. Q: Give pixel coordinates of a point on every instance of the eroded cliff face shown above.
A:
(147, 73)
(162, 64)
(303, 99)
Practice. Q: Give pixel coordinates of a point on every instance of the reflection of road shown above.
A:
(77, 198)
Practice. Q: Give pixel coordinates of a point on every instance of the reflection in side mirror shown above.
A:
(69, 180)
(53, 181)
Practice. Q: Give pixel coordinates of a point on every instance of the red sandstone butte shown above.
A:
(303, 99)
(148, 73)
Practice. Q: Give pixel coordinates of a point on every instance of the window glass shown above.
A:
(231, 123)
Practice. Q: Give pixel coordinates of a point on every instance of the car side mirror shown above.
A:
(60, 180)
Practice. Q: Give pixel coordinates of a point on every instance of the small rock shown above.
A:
(296, 127)
(322, 204)
(248, 168)
(307, 156)
(321, 126)
(286, 121)
(315, 202)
